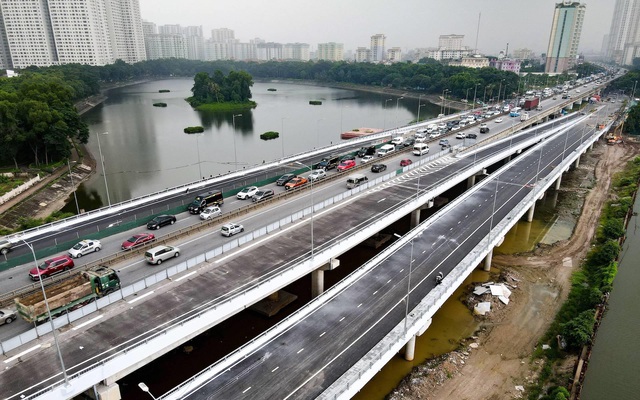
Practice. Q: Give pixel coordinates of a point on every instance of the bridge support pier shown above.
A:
(410, 349)
(487, 261)
(471, 181)
(558, 181)
(591, 147)
(530, 212)
(317, 277)
(576, 164)
(415, 218)
(105, 392)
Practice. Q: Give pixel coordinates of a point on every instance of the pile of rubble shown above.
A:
(491, 295)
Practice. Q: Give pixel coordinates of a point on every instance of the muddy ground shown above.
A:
(492, 364)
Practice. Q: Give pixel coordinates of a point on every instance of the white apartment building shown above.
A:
(51, 32)
(394, 54)
(269, 51)
(450, 42)
(624, 37)
(330, 51)
(149, 28)
(363, 54)
(166, 46)
(296, 52)
(222, 35)
(377, 47)
(443, 54)
(471, 62)
(564, 39)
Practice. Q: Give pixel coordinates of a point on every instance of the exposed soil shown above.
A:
(492, 364)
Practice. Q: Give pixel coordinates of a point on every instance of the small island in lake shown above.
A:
(164, 91)
(272, 89)
(222, 93)
(159, 104)
(193, 129)
(269, 135)
(315, 102)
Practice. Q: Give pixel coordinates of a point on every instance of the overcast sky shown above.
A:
(406, 23)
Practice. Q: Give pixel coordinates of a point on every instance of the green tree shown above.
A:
(632, 123)
(577, 332)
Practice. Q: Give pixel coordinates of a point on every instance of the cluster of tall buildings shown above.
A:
(622, 44)
(566, 28)
(52, 32)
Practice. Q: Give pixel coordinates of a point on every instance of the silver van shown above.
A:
(159, 254)
(386, 149)
(356, 180)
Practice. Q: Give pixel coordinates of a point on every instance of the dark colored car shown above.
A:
(367, 151)
(137, 240)
(51, 266)
(409, 142)
(444, 142)
(378, 168)
(471, 135)
(405, 162)
(160, 221)
(262, 194)
(284, 179)
(347, 157)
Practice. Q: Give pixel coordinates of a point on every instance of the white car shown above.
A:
(461, 135)
(210, 212)
(84, 247)
(498, 120)
(7, 316)
(455, 127)
(366, 159)
(397, 140)
(435, 135)
(231, 229)
(318, 174)
(247, 192)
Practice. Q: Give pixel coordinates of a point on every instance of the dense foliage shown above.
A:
(218, 88)
(38, 118)
(193, 129)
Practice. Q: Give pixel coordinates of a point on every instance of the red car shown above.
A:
(346, 164)
(295, 182)
(405, 162)
(51, 266)
(137, 240)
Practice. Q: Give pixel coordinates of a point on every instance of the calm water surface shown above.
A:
(145, 149)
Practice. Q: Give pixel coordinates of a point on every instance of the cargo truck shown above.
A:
(531, 103)
(69, 294)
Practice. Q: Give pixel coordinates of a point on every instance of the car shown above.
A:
(498, 120)
(397, 140)
(5, 246)
(460, 135)
(409, 142)
(347, 157)
(247, 192)
(264, 194)
(210, 212)
(367, 151)
(378, 167)
(455, 128)
(435, 135)
(137, 240)
(159, 254)
(231, 229)
(84, 247)
(317, 174)
(284, 179)
(366, 159)
(160, 221)
(346, 165)
(484, 128)
(7, 316)
(51, 266)
(555, 98)
(444, 142)
(471, 135)
(296, 182)
(405, 162)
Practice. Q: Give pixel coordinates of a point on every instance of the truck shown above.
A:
(524, 117)
(68, 295)
(530, 103)
(203, 200)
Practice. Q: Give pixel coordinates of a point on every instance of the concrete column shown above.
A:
(506, 160)
(530, 212)
(487, 261)
(471, 181)
(576, 164)
(415, 218)
(110, 392)
(317, 283)
(591, 147)
(558, 181)
(410, 349)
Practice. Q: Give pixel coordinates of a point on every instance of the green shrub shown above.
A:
(269, 135)
(611, 228)
(577, 332)
(193, 129)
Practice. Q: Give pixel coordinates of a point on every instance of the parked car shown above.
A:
(346, 165)
(84, 247)
(160, 221)
(137, 240)
(296, 182)
(471, 135)
(51, 266)
(405, 162)
(231, 229)
(366, 159)
(247, 192)
(159, 254)
(7, 316)
(210, 212)
(284, 179)
(378, 167)
(5, 246)
(317, 174)
(264, 194)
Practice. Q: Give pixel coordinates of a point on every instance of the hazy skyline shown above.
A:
(407, 24)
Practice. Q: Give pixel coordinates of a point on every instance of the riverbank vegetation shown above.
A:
(220, 92)
(573, 326)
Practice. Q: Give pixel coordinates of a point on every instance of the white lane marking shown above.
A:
(341, 319)
(322, 334)
(246, 390)
(300, 351)
(7, 361)
(275, 369)
(88, 322)
(375, 292)
(381, 200)
(359, 305)
(185, 276)
(140, 297)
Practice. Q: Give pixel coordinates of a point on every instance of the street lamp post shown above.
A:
(104, 172)
(312, 206)
(282, 141)
(475, 90)
(484, 96)
(75, 197)
(46, 303)
(145, 389)
(384, 125)
(235, 154)
(197, 135)
(443, 101)
(466, 99)
(397, 104)
(419, 105)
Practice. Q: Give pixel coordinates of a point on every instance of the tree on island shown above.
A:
(218, 89)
